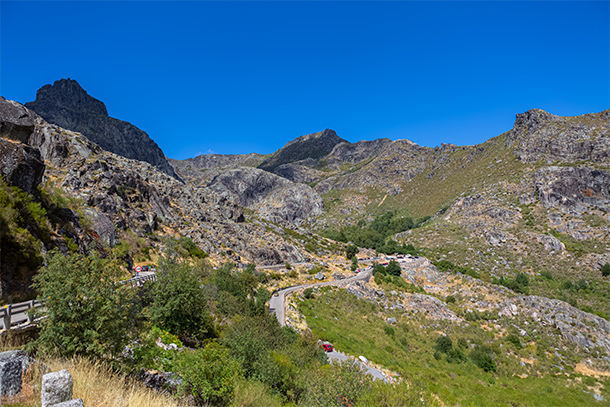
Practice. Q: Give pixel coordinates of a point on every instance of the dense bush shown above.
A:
(351, 250)
(393, 268)
(335, 385)
(208, 374)
(481, 356)
(308, 293)
(606, 270)
(88, 314)
(179, 303)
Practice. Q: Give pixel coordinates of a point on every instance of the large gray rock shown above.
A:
(273, 197)
(16, 122)
(573, 189)
(21, 165)
(66, 104)
(71, 403)
(56, 388)
(551, 243)
(12, 364)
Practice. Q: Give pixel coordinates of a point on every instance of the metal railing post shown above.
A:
(7, 316)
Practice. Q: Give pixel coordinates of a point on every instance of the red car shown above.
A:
(328, 347)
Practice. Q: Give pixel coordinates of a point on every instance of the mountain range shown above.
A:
(532, 201)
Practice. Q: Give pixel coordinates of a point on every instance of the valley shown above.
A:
(501, 295)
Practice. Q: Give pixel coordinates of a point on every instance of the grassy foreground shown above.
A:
(94, 383)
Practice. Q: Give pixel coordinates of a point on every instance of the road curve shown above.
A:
(277, 303)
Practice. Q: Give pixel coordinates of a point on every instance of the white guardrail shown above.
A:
(14, 315)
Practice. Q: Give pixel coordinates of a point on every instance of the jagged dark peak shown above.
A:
(67, 104)
(67, 94)
(315, 146)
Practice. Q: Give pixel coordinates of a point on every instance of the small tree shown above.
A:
(606, 270)
(393, 268)
(209, 373)
(354, 263)
(351, 250)
(87, 312)
(179, 304)
(308, 293)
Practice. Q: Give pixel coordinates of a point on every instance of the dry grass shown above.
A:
(94, 383)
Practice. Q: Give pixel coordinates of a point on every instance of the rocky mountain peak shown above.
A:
(315, 146)
(67, 104)
(67, 94)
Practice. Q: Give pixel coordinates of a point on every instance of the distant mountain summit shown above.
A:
(67, 104)
(311, 146)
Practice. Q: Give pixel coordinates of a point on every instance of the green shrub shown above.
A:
(547, 275)
(308, 293)
(351, 250)
(335, 385)
(393, 268)
(388, 330)
(606, 270)
(450, 299)
(481, 356)
(192, 249)
(443, 344)
(288, 266)
(514, 339)
(208, 374)
(87, 312)
(179, 303)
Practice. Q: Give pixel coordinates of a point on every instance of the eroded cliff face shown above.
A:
(273, 197)
(67, 104)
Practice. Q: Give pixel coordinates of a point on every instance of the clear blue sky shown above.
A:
(240, 77)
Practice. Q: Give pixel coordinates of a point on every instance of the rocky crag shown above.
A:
(67, 104)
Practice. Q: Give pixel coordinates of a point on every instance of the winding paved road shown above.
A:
(277, 305)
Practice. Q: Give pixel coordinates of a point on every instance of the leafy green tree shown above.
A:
(351, 250)
(179, 303)
(481, 356)
(209, 374)
(606, 270)
(308, 293)
(354, 263)
(87, 311)
(443, 344)
(393, 268)
(522, 280)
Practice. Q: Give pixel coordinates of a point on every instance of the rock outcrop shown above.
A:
(22, 165)
(16, 122)
(573, 189)
(542, 136)
(67, 104)
(272, 196)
